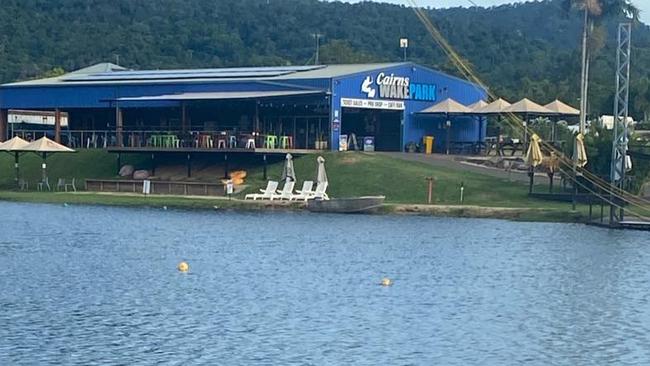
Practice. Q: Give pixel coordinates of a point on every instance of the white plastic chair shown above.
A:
(267, 193)
(286, 192)
(306, 191)
(71, 185)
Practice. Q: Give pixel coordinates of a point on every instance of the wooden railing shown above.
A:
(157, 187)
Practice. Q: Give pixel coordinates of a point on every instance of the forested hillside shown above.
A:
(529, 49)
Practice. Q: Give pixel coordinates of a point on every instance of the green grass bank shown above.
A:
(350, 174)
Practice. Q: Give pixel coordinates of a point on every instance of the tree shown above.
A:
(594, 11)
(339, 51)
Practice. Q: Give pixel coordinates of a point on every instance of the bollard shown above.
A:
(462, 190)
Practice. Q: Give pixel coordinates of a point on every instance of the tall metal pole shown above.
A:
(619, 148)
(317, 37)
(583, 77)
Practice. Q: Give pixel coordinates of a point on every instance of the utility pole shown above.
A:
(317, 36)
(619, 144)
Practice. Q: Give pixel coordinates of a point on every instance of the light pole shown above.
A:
(404, 44)
(317, 36)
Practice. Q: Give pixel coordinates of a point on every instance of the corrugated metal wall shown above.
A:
(416, 126)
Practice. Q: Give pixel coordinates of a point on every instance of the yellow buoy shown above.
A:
(183, 266)
(386, 281)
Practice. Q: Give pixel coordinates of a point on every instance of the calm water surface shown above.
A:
(95, 285)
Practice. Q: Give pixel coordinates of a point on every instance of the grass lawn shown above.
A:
(350, 174)
(358, 174)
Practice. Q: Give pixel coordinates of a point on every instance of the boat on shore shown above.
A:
(366, 204)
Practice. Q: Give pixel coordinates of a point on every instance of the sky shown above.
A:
(643, 5)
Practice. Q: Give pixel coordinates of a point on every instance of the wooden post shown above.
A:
(57, 125)
(189, 165)
(119, 162)
(3, 124)
(225, 168)
(429, 189)
(119, 126)
(183, 118)
(265, 165)
(531, 176)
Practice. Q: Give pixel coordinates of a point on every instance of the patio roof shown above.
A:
(447, 106)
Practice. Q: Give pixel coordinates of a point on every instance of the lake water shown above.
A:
(98, 285)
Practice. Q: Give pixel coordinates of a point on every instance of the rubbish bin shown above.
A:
(428, 144)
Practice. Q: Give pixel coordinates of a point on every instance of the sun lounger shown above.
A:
(267, 193)
(286, 192)
(320, 192)
(306, 191)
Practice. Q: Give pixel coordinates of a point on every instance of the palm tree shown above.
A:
(594, 12)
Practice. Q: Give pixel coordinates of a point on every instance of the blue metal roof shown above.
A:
(238, 72)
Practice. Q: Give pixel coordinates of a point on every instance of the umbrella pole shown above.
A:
(448, 126)
(575, 184)
(44, 166)
(531, 177)
(16, 166)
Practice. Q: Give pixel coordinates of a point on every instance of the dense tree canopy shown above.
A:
(530, 49)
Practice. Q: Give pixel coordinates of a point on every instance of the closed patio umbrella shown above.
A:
(579, 152)
(534, 157)
(14, 146)
(44, 146)
(288, 173)
(322, 175)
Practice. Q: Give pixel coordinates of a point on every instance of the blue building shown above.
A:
(311, 106)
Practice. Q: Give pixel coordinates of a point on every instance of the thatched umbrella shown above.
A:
(288, 173)
(527, 107)
(321, 177)
(44, 146)
(14, 146)
(475, 107)
(560, 109)
(448, 108)
(496, 107)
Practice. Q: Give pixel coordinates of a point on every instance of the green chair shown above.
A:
(286, 142)
(271, 141)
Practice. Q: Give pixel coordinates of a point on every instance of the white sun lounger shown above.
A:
(267, 193)
(285, 193)
(306, 191)
(320, 192)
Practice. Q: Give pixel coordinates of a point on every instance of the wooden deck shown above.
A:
(191, 150)
(625, 224)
